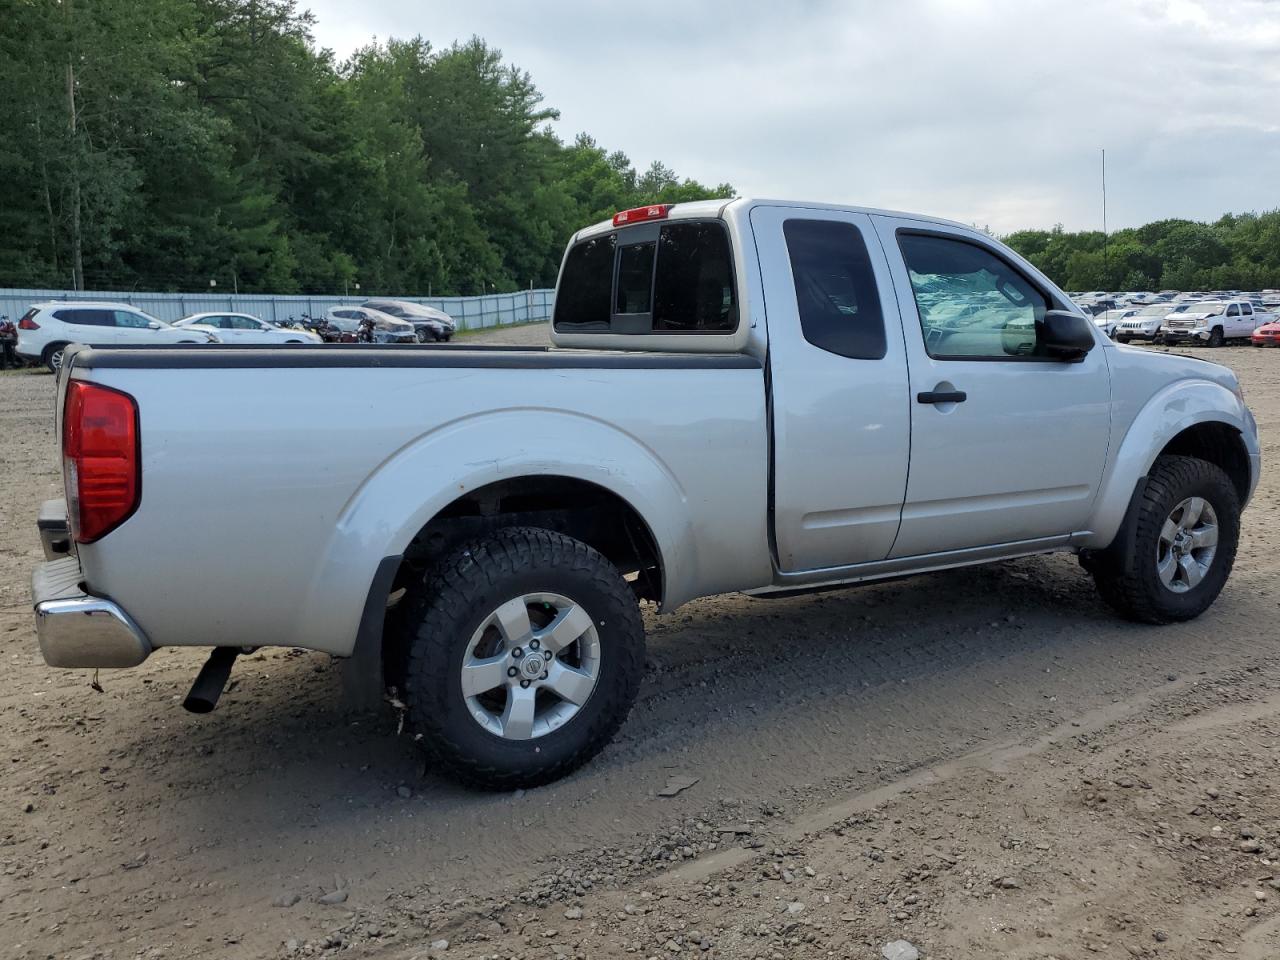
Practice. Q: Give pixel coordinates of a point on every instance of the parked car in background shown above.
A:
(1267, 335)
(47, 329)
(386, 328)
(428, 322)
(1145, 323)
(1107, 320)
(1210, 322)
(245, 328)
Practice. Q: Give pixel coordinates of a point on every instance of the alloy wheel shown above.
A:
(1187, 545)
(531, 666)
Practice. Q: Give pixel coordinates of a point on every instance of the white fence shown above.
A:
(470, 313)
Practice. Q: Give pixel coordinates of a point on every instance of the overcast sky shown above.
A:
(987, 111)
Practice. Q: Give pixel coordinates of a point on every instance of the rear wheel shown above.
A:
(1175, 551)
(52, 356)
(525, 652)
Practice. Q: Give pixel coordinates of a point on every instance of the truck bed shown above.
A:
(276, 479)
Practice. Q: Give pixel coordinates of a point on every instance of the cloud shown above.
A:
(987, 112)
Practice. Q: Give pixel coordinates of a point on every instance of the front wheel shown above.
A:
(1215, 337)
(525, 652)
(1175, 550)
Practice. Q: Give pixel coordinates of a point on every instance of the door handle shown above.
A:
(942, 396)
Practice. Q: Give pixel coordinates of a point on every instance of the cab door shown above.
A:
(840, 410)
(1244, 324)
(1007, 445)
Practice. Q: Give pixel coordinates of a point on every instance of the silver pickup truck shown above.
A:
(749, 395)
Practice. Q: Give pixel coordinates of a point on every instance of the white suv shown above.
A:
(48, 328)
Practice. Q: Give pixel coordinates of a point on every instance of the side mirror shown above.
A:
(153, 325)
(1064, 335)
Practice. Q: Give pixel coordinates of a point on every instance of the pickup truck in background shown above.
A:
(745, 395)
(1212, 323)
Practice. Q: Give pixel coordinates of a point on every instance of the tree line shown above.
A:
(164, 144)
(1237, 252)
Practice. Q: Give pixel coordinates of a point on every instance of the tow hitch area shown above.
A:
(211, 680)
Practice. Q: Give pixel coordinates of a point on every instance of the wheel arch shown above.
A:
(1193, 418)
(555, 468)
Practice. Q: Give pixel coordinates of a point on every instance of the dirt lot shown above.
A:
(983, 763)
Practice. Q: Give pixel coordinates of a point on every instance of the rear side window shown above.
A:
(87, 318)
(835, 288)
(651, 278)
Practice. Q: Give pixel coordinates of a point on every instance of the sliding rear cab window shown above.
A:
(671, 278)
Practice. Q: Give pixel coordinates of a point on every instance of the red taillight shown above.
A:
(26, 323)
(101, 461)
(655, 211)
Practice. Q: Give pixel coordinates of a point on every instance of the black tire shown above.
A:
(1122, 339)
(1215, 337)
(423, 334)
(52, 356)
(450, 605)
(1126, 574)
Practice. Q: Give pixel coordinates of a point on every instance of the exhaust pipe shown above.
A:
(211, 680)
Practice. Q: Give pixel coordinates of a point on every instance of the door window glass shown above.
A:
(835, 288)
(972, 303)
(135, 321)
(1233, 310)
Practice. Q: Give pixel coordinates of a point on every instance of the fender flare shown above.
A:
(416, 482)
(1172, 410)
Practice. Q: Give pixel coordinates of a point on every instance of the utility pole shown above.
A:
(1105, 274)
(77, 258)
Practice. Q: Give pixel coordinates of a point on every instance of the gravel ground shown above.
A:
(977, 763)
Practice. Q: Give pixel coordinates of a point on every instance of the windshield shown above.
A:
(1207, 306)
(1159, 310)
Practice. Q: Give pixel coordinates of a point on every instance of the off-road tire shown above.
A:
(1125, 572)
(449, 605)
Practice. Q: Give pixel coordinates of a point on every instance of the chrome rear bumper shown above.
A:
(77, 629)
